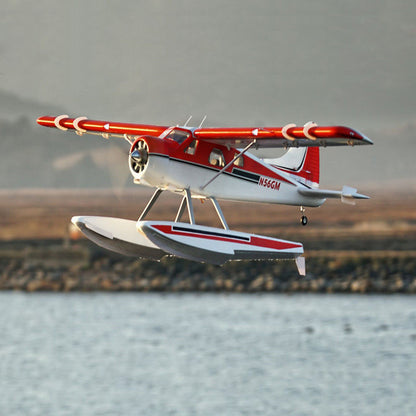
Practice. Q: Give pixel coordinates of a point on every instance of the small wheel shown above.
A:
(304, 220)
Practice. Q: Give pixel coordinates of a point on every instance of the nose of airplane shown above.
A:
(137, 156)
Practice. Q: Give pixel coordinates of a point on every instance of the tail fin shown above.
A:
(302, 164)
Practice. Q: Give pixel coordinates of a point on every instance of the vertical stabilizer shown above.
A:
(302, 164)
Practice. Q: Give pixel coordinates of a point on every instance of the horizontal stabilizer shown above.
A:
(347, 195)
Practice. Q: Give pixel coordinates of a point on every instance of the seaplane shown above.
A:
(213, 164)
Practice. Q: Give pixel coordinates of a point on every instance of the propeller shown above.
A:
(139, 156)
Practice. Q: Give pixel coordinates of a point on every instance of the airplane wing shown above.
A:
(102, 128)
(266, 137)
(288, 136)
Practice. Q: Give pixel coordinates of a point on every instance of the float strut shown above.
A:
(190, 206)
(181, 209)
(150, 204)
(219, 212)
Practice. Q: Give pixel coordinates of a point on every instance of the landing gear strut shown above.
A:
(304, 218)
(186, 202)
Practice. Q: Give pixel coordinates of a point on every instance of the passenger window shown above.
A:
(239, 162)
(190, 150)
(216, 158)
(178, 135)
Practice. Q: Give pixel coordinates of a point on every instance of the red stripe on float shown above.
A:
(254, 240)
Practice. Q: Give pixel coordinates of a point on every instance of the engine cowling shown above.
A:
(149, 162)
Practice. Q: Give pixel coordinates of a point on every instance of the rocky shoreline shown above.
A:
(51, 266)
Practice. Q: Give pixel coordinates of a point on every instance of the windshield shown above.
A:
(178, 135)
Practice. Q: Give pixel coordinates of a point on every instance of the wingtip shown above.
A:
(362, 138)
(45, 120)
(367, 140)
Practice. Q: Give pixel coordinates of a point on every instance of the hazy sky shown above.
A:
(240, 62)
(237, 60)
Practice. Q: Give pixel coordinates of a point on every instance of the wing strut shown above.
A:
(229, 164)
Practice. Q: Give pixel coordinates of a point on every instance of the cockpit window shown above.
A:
(178, 135)
(216, 158)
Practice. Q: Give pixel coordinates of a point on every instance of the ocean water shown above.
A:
(190, 354)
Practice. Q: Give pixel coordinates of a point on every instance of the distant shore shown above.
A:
(33, 266)
(369, 248)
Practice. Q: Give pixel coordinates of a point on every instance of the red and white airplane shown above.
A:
(214, 164)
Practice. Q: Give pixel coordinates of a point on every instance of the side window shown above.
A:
(239, 162)
(216, 158)
(190, 150)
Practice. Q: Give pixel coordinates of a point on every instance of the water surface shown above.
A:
(151, 354)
